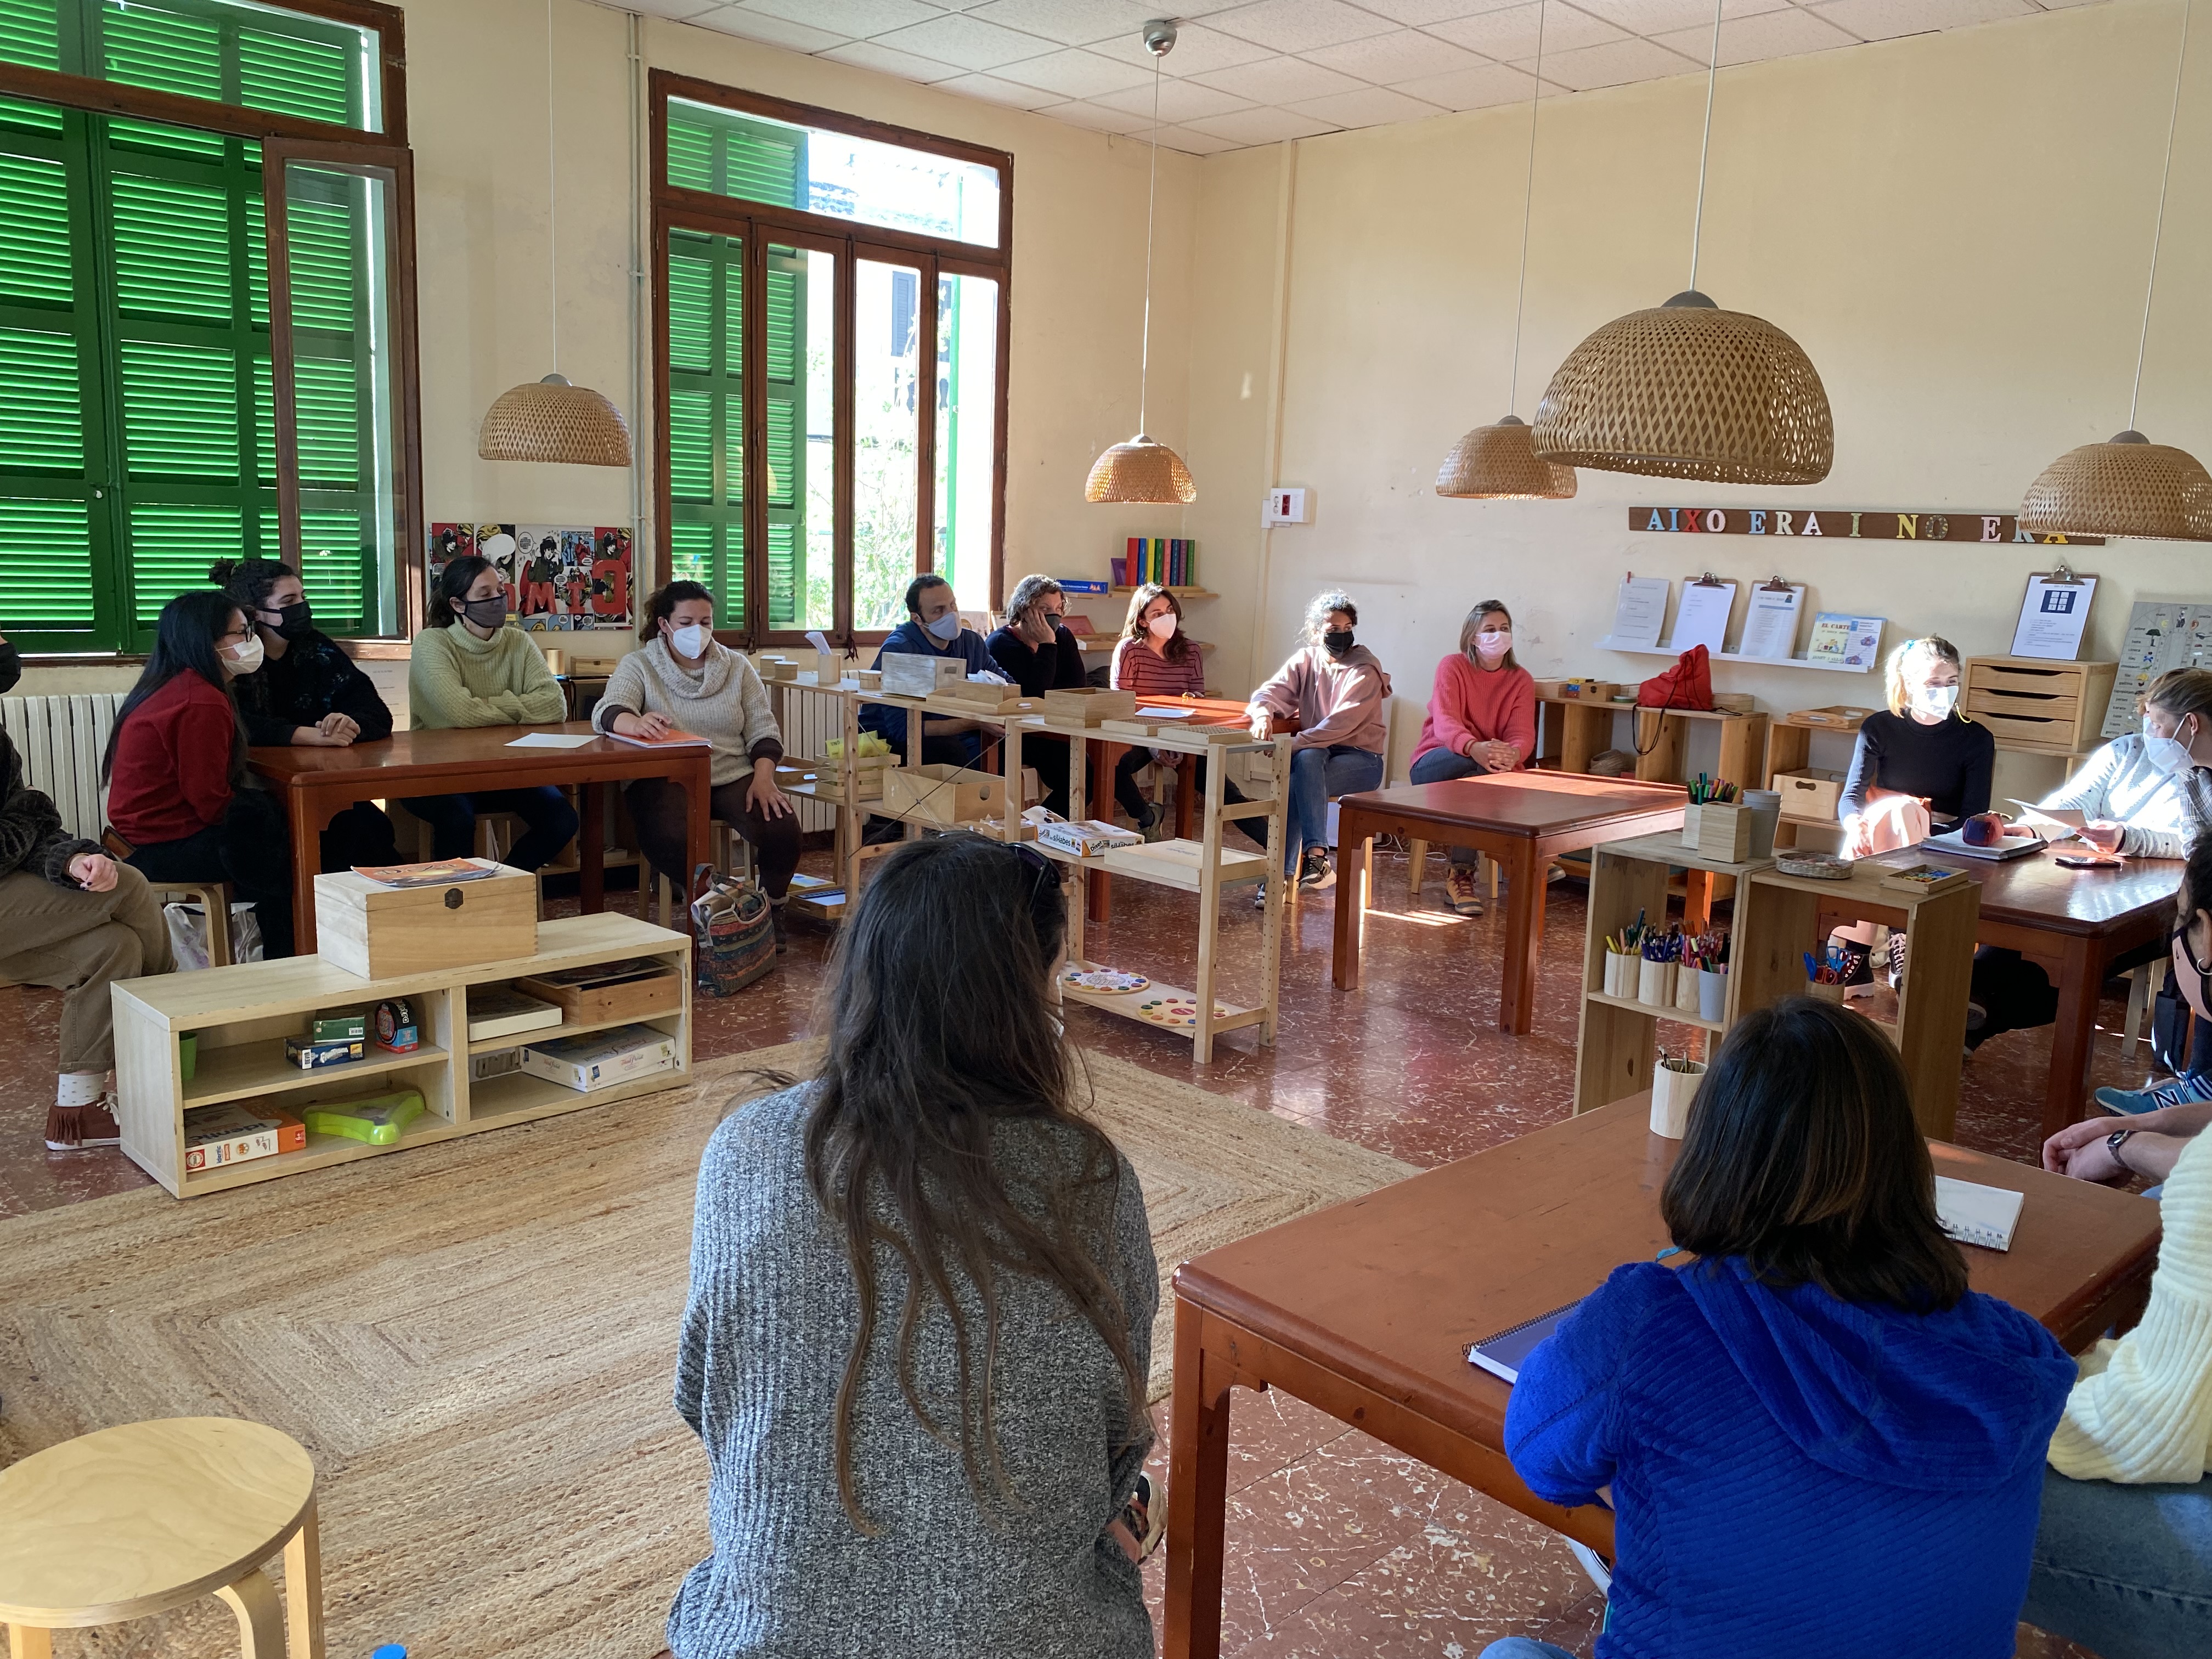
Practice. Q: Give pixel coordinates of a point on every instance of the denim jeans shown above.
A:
(1442, 766)
(1524, 1647)
(1317, 777)
(2124, 1570)
(452, 819)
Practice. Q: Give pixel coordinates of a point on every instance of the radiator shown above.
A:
(61, 740)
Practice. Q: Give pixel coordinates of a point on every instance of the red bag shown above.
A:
(1687, 684)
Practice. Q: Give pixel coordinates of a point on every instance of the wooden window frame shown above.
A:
(675, 208)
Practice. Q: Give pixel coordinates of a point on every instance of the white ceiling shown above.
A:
(1253, 71)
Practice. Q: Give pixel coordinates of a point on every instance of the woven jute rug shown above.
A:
(476, 1341)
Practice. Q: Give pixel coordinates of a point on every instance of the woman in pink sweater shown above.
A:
(1336, 690)
(1482, 718)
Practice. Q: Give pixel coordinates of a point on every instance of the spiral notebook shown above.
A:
(1975, 1214)
(1504, 1354)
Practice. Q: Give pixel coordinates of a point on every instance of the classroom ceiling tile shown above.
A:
(1246, 72)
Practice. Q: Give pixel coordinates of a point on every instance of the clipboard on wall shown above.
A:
(1701, 617)
(1769, 624)
(2054, 614)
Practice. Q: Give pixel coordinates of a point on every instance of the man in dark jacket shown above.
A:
(1034, 649)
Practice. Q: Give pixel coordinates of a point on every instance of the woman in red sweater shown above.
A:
(179, 793)
(1481, 718)
(1153, 658)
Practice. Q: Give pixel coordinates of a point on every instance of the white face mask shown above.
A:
(691, 642)
(1937, 700)
(242, 659)
(1493, 646)
(2168, 754)
(1164, 625)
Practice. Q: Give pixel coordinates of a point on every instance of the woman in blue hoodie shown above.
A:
(1817, 1441)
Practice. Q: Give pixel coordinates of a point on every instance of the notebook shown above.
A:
(1975, 1214)
(1504, 1354)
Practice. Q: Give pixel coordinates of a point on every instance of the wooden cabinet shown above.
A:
(2037, 707)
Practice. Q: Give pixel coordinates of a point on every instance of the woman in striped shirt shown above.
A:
(1154, 658)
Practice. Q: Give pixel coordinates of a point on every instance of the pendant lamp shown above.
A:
(1686, 390)
(1144, 469)
(2128, 486)
(1495, 462)
(551, 420)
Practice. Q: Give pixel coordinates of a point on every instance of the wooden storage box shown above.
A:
(1087, 705)
(608, 991)
(1717, 830)
(774, 667)
(945, 794)
(2041, 707)
(906, 674)
(963, 697)
(1810, 792)
(1575, 690)
(381, 933)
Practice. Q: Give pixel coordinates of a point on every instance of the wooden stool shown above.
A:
(136, 1520)
(2145, 981)
(214, 898)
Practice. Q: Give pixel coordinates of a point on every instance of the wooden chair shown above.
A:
(141, 1519)
(214, 898)
(729, 850)
(2145, 981)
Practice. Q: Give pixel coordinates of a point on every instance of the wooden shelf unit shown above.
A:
(2035, 706)
(1789, 749)
(241, 1015)
(1180, 592)
(1583, 730)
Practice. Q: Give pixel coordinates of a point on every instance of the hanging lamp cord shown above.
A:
(1528, 201)
(2158, 225)
(552, 233)
(1706, 145)
(1152, 197)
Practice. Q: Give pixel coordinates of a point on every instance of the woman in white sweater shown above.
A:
(2124, 1557)
(2144, 795)
(679, 679)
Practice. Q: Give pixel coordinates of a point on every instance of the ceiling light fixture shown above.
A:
(2128, 486)
(1495, 462)
(1143, 469)
(552, 420)
(1688, 390)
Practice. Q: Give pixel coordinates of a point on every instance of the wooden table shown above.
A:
(2074, 924)
(320, 783)
(1523, 820)
(1365, 1310)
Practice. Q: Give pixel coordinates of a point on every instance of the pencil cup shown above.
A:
(1620, 974)
(1692, 825)
(1712, 995)
(1685, 989)
(1825, 993)
(1673, 1085)
(1765, 806)
(1655, 986)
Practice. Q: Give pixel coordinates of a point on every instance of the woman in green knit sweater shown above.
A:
(469, 668)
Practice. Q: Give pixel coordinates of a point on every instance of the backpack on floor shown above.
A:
(733, 934)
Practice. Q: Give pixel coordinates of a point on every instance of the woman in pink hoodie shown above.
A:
(1482, 718)
(1339, 695)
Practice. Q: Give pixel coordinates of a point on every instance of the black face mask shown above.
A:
(1336, 644)
(2180, 936)
(11, 666)
(484, 613)
(294, 620)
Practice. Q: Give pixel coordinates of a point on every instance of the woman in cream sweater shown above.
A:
(2123, 1559)
(679, 679)
(469, 668)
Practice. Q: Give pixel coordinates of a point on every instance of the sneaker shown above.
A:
(776, 917)
(1894, 970)
(79, 1128)
(1152, 826)
(2131, 1102)
(1459, 887)
(1146, 1514)
(1314, 871)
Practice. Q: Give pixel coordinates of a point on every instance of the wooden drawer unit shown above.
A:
(2038, 707)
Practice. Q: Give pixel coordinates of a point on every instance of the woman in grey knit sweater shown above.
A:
(922, 1290)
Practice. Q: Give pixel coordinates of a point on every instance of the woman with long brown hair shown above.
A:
(922, 1291)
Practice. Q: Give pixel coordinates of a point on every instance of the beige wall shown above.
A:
(1955, 226)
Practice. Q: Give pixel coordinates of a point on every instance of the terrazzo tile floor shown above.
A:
(1337, 1544)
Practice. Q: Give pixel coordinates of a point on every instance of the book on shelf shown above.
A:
(216, 1135)
(502, 1011)
(1171, 561)
(674, 738)
(438, 872)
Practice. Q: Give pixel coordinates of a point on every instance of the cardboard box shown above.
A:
(601, 1059)
(945, 795)
(908, 675)
(383, 933)
(339, 1028)
(216, 1135)
(1810, 792)
(609, 990)
(1718, 829)
(310, 1055)
(1087, 705)
(1085, 838)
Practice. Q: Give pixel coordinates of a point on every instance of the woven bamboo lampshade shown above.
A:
(1688, 390)
(2128, 487)
(1495, 462)
(1141, 470)
(550, 420)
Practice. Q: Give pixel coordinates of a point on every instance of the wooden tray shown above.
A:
(608, 990)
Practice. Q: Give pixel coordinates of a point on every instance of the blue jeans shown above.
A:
(1442, 766)
(1524, 1647)
(452, 819)
(1317, 777)
(2124, 1570)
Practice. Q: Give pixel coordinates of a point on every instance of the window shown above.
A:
(823, 444)
(147, 397)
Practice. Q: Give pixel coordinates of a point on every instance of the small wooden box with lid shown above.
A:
(380, 932)
(2038, 707)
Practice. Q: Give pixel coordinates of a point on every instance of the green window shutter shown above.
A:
(786, 435)
(712, 150)
(785, 575)
(703, 283)
(143, 46)
(785, 481)
(172, 248)
(294, 77)
(45, 582)
(690, 306)
(322, 238)
(30, 34)
(692, 550)
(691, 446)
(172, 546)
(257, 260)
(42, 410)
(332, 560)
(327, 418)
(35, 264)
(180, 411)
(690, 155)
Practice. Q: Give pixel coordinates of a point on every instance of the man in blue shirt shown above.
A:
(932, 628)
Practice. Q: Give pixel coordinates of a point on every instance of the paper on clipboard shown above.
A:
(2066, 819)
(1770, 626)
(1640, 612)
(2053, 616)
(1702, 616)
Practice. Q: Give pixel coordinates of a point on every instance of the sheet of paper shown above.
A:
(1975, 1214)
(2066, 817)
(1769, 625)
(550, 740)
(1640, 612)
(2052, 618)
(1164, 713)
(1702, 618)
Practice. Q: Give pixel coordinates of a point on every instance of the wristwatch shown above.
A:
(2114, 1141)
